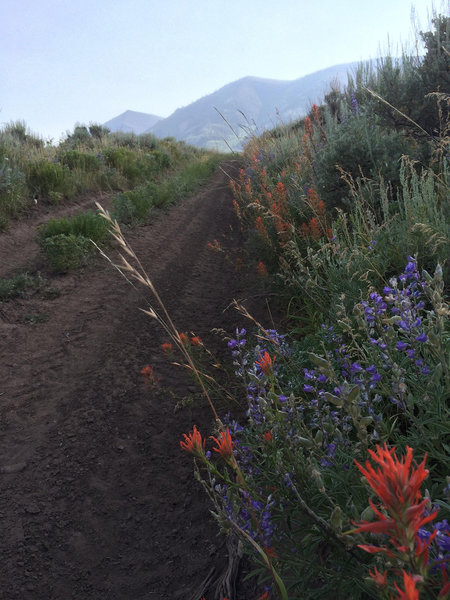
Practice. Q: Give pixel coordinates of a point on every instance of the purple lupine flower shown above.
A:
(421, 338)
(403, 325)
(308, 388)
(401, 346)
(354, 103)
(310, 375)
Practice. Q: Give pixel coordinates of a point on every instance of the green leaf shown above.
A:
(333, 399)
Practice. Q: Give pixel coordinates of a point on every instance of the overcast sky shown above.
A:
(68, 61)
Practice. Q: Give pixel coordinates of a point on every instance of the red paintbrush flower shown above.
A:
(184, 339)
(379, 579)
(410, 592)
(224, 444)
(396, 482)
(167, 347)
(193, 443)
(267, 436)
(196, 341)
(261, 269)
(266, 363)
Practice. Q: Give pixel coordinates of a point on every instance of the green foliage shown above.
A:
(85, 161)
(88, 225)
(362, 149)
(66, 243)
(90, 159)
(405, 85)
(19, 286)
(136, 205)
(44, 177)
(12, 192)
(65, 251)
(133, 206)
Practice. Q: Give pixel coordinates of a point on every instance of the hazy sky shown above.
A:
(68, 61)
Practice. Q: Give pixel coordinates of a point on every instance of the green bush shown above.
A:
(361, 148)
(13, 197)
(125, 161)
(87, 224)
(45, 177)
(85, 161)
(65, 251)
(133, 206)
(18, 286)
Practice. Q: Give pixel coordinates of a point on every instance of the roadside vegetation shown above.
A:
(337, 480)
(140, 174)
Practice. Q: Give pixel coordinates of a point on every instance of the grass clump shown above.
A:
(67, 243)
(19, 286)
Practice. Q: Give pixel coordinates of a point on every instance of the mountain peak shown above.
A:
(132, 121)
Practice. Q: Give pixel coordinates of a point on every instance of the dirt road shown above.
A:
(97, 501)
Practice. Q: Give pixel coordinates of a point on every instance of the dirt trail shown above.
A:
(97, 501)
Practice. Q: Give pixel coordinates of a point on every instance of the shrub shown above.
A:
(85, 161)
(13, 197)
(87, 224)
(133, 206)
(65, 251)
(19, 286)
(44, 177)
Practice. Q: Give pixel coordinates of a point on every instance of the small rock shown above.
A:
(32, 509)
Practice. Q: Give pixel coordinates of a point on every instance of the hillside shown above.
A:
(249, 103)
(132, 121)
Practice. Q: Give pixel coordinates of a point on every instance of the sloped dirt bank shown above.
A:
(97, 501)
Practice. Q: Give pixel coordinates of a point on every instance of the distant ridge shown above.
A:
(132, 121)
(250, 104)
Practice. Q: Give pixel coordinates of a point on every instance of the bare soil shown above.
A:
(97, 500)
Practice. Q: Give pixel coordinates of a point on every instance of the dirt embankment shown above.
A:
(97, 501)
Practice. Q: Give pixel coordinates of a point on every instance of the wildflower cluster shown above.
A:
(311, 418)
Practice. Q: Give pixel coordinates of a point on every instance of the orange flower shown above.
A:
(184, 339)
(167, 347)
(147, 371)
(397, 484)
(261, 227)
(410, 592)
(316, 113)
(379, 579)
(193, 443)
(261, 269)
(196, 341)
(308, 127)
(267, 436)
(304, 229)
(266, 363)
(224, 444)
(314, 229)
